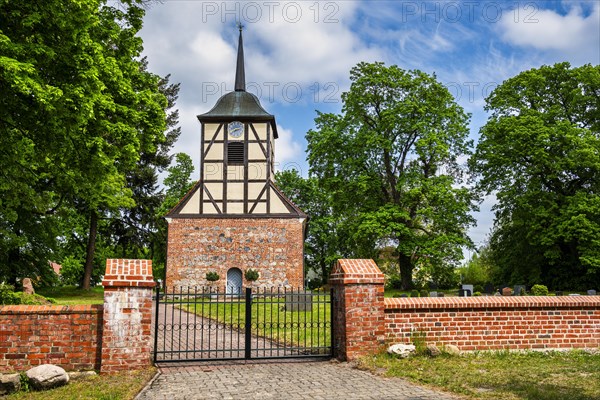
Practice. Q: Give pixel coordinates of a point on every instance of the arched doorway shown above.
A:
(234, 281)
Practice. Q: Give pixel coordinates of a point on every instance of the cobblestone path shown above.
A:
(306, 380)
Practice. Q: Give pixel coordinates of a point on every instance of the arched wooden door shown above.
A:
(234, 281)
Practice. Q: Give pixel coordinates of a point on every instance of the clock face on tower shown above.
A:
(235, 128)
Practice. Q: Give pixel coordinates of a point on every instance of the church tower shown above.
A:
(235, 218)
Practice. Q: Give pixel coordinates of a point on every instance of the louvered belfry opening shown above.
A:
(235, 153)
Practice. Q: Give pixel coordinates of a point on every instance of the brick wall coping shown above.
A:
(51, 309)
(128, 273)
(491, 302)
(356, 271)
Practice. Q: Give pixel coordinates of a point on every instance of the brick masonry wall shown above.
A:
(492, 323)
(272, 246)
(68, 336)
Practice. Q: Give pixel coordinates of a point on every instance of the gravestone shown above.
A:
(559, 293)
(489, 288)
(433, 285)
(440, 294)
(506, 291)
(298, 301)
(591, 292)
(519, 290)
(464, 293)
(28, 286)
(469, 288)
(433, 294)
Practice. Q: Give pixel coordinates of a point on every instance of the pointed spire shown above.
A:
(240, 74)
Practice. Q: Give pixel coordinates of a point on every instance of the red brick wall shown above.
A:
(358, 318)
(272, 246)
(490, 323)
(67, 336)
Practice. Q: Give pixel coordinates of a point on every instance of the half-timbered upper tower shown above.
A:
(236, 195)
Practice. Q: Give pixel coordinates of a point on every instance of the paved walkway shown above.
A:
(306, 380)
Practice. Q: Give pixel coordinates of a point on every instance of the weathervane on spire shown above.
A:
(240, 26)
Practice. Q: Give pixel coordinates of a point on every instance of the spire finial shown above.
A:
(240, 74)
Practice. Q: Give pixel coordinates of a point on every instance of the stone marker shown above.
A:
(464, 293)
(298, 301)
(433, 350)
(433, 294)
(28, 286)
(591, 292)
(47, 376)
(506, 291)
(440, 294)
(402, 350)
(469, 288)
(489, 288)
(518, 290)
(9, 383)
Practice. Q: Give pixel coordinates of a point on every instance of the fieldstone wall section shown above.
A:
(67, 336)
(127, 336)
(272, 246)
(358, 319)
(492, 323)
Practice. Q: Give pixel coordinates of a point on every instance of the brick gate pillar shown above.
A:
(358, 320)
(127, 336)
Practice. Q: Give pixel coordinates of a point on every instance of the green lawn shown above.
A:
(122, 386)
(574, 375)
(71, 295)
(270, 318)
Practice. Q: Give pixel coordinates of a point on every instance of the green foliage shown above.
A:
(389, 166)
(538, 153)
(7, 294)
(477, 269)
(325, 240)
(539, 290)
(414, 293)
(251, 274)
(82, 135)
(423, 293)
(212, 276)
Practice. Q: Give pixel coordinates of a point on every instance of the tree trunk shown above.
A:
(406, 269)
(90, 250)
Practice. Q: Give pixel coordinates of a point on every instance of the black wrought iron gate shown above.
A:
(201, 324)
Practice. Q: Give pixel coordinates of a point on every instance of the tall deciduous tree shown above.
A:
(391, 162)
(78, 108)
(540, 153)
(322, 246)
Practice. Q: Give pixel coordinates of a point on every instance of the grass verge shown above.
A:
(122, 386)
(71, 295)
(573, 375)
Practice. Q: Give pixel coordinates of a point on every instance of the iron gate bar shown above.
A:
(219, 336)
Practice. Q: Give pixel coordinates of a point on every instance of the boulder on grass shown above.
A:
(452, 350)
(402, 350)
(47, 376)
(9, 383)
(433, 351)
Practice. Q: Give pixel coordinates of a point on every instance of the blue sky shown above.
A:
(299, 54)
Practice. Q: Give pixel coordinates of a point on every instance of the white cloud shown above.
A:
(574, 33)
(287, 150)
